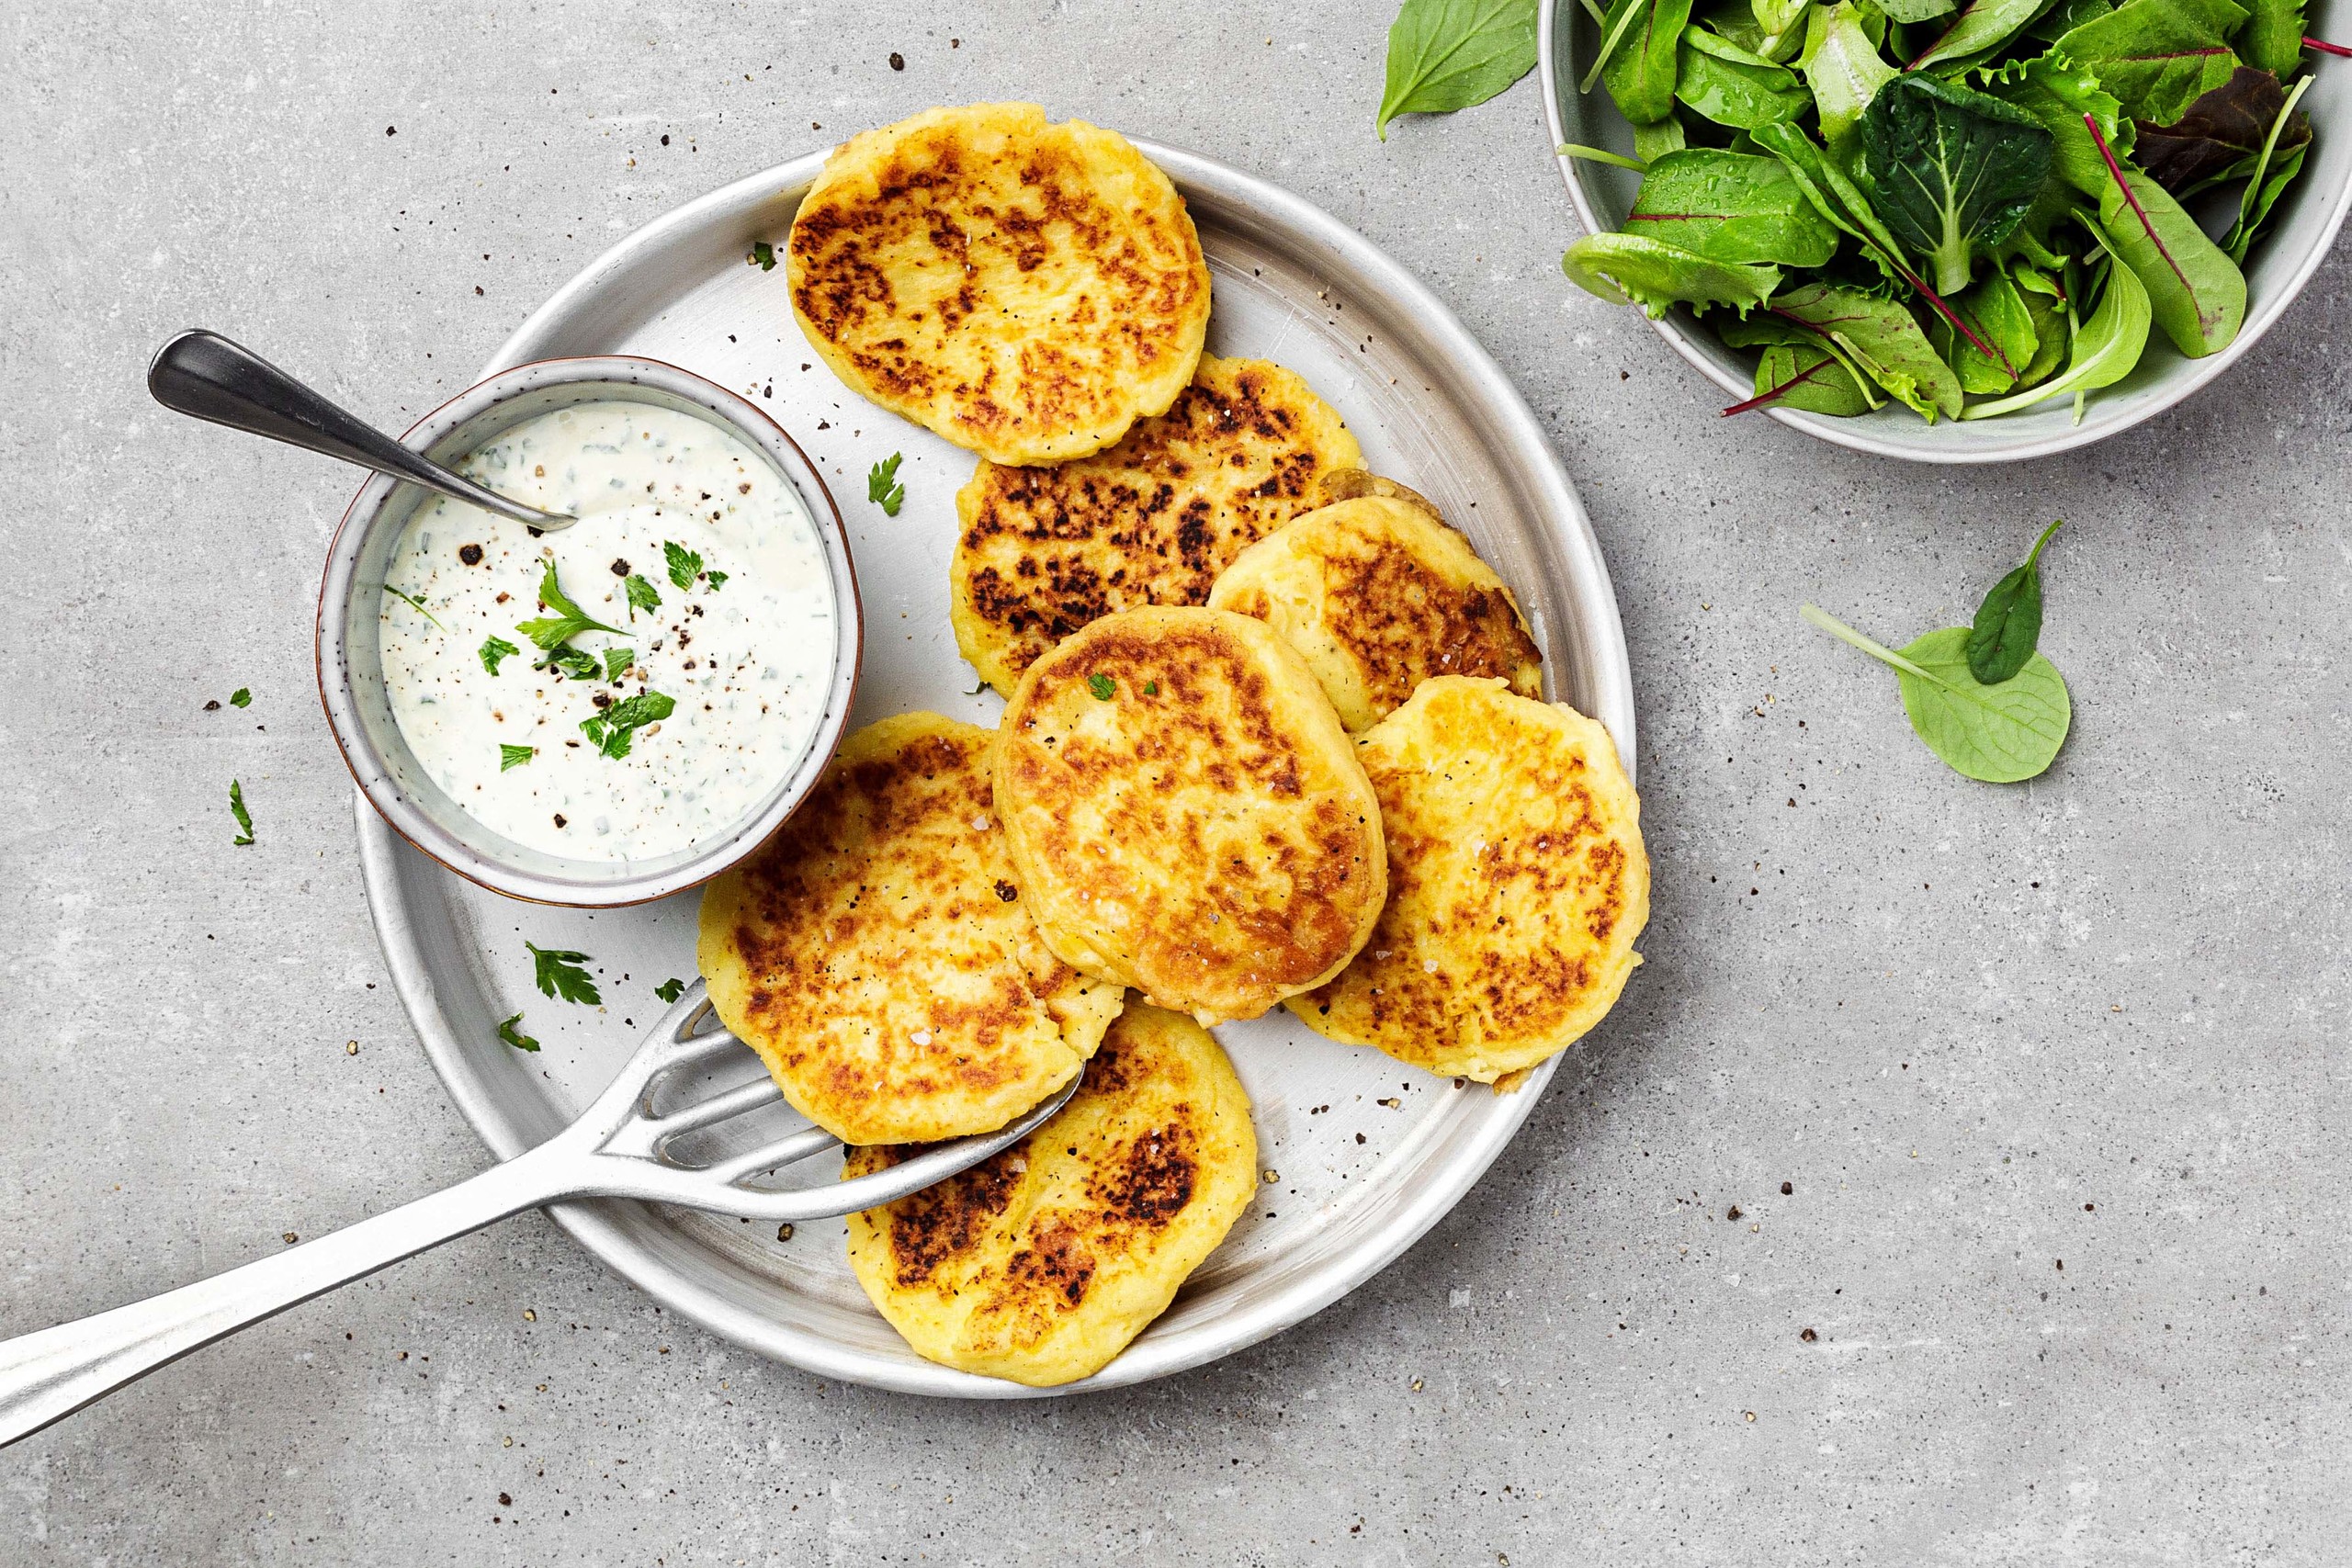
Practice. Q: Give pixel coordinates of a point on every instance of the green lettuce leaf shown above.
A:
(1952, 169)
(2198, 293)
(2157, 56)
(1627, 269)
(1727, 84)
(1843, 67)
(1882, 338)
(1731, 207)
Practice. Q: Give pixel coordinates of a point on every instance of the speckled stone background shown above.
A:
(2097, 1021)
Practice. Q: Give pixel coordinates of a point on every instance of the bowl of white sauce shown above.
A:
(611, 712)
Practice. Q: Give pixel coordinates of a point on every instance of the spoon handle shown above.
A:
(204, 374)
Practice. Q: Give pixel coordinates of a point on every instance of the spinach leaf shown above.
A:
(1641, 73)
(2158, 55)
(1731, 207)
(2270, 177)
(1843, 68)
(2008, 623)
(1655, 140)
(2059, 92)
(1780, 27)
(1882, 338)
(1952, 169)
(2222, 129)
(1916, 10)
(2273, 39)
(2065, 17)
(1984, 26)
(2047, 306)
(2198, 293)
(2002, 734)
(1994, 307)
(1769, 331)
(1808, 376)
(1448, 54)
(1626, 269)
(2106, 349)
(1733, 87)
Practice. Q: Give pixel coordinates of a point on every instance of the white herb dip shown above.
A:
(744, 648)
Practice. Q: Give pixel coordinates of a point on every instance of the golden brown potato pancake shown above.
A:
(1040, 552)
(1188, 817)
(877, 954)
(1517, 882)
(1378, 594)
(1027, 290)
(1041, 1264)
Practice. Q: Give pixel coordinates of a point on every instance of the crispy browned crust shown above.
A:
(1518, 884)
(1042, 552)
(1027, 290)
(1042, 1262)
(878, 957)
(1379, 596)
(1205, 833)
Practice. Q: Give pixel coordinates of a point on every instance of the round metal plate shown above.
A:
(1292, 285)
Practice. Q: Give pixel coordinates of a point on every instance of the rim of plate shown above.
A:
(624, 1234)
(2193, 376)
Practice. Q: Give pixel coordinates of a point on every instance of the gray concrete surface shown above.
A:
(2097, 1021)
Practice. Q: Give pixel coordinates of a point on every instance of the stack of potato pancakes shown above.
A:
(1274, 734)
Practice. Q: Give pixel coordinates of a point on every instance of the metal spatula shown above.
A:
(620, 1147)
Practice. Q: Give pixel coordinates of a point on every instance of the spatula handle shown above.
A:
(49, 1374)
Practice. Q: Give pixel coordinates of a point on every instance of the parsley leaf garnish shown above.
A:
(558, 973)
(642, 595)
(413, 603)
(618, 661)
(671, 990)
(683, 563)
(515, 756)
(1102, 686)
(237, 810)
(242, 697)
(881, 486)
(610, 732)
(508, 1033)
(551, 632)
(762, 256)
(714, 580)
(571, 661)
(495, 648)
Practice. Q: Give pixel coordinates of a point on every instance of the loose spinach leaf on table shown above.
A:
(1640, 71)
(2273, 39)
(1984, 26)
(2198, 293)
(2106, 349)
(1843, 68)
(1731, 207)
(1882, 338)
(2224, 129)
(1626, 269)
(2157, 56)
(1725, 83)
(1448, 54)
(2008, 623)
(2002, 734)
(1952, 169)
(558, 973)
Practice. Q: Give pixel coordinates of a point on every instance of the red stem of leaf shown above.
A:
(2334, 49)
(1948, 314)
(2137, 210)
(1784, 390)
(1940, 42)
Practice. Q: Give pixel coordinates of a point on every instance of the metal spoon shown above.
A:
(620, 1147)
(204, 374)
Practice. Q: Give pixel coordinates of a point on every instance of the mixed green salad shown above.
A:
(1967, 209)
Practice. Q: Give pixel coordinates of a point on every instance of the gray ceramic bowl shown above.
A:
(351, 683)
(2282, 261)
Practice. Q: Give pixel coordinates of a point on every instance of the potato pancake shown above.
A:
(1040, 552)
(1517, 881)
(1186, 813)
(1027, 290)
(879, 958)
(1378, 594)
(1041, 1264)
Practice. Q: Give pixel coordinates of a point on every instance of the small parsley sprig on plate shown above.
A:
(242, 697)
(557, 970)
(514, 1037)
(671, 990)
(237, 810)
(882, 487)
